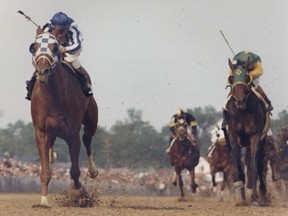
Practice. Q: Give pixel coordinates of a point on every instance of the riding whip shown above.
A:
(27, 17)
(227, 42)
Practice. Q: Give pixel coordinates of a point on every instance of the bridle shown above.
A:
(240, 76)
(181, 129)
(45, 53)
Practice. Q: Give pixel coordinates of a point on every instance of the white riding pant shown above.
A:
(256, 82)
(73, 59)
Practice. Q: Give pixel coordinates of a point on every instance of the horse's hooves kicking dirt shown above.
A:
(41, 206)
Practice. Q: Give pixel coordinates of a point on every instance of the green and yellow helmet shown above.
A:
(181, 112)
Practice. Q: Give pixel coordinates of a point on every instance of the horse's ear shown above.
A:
(247, 63)
(39, 31)
(231, 79)
(32, 48)
(230, 64)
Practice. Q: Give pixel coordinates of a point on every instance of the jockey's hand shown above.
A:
(62, 50)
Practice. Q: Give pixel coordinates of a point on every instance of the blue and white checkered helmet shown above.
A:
(60, 20)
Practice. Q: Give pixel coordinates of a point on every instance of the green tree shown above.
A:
(135, 143)
(206, 118)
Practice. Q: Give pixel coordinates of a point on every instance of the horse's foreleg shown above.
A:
(213, 183)
(225, 180)
(174, 178)
(256, 163)
(181, 184)
(87, 139)
(43, 150)
(238, 174)
(193, 183)
(74, 150)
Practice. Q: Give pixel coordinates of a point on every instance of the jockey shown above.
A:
(217, 135)
(70, 40)
(191, 122)
(256, 71)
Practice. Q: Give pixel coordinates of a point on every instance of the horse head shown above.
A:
(240, 81)
(45, 55)
(181, 129)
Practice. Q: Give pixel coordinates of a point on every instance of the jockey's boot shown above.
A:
(29, 87)
(168, 149)
(85, 85)
(263, 94)
(169, 145)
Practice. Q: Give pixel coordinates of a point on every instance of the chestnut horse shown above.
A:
(248, 123)
(58, 109)
(219, 159)
(184, 154)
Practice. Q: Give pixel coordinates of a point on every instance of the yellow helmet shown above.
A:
(181, 111)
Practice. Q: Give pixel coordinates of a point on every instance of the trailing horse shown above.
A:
(58, 109)
(281, 140)
(184, 154)
(247, 123)
(220, 160)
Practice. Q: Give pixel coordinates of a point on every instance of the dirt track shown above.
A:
(23, 204)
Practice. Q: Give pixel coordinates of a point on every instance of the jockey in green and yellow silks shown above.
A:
(256, 71)
(191, 129)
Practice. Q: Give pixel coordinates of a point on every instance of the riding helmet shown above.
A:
(181, 112)
(60, 20)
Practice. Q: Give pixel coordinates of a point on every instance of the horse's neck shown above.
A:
(54, 89)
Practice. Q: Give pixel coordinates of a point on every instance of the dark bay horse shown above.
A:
(184, 154)
(281, 140)
(248, 123)
(219, 159)
(58, 109)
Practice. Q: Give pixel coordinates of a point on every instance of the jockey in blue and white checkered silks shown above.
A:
(70, 39)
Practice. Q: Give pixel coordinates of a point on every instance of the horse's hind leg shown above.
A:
(193, 183)
(90, 126)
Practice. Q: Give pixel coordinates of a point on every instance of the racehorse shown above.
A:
(248, 123)
(58, 109)
(184, 154)
(281, 139)
(220, 160)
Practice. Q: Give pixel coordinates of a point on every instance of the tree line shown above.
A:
(131, 143)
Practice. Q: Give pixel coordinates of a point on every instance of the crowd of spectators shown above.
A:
(158, 181)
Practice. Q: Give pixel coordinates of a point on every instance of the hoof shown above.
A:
(77, 194)
(254, 204)
(194, 188)
(182, 199)
(93, 173)
(238, 185)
